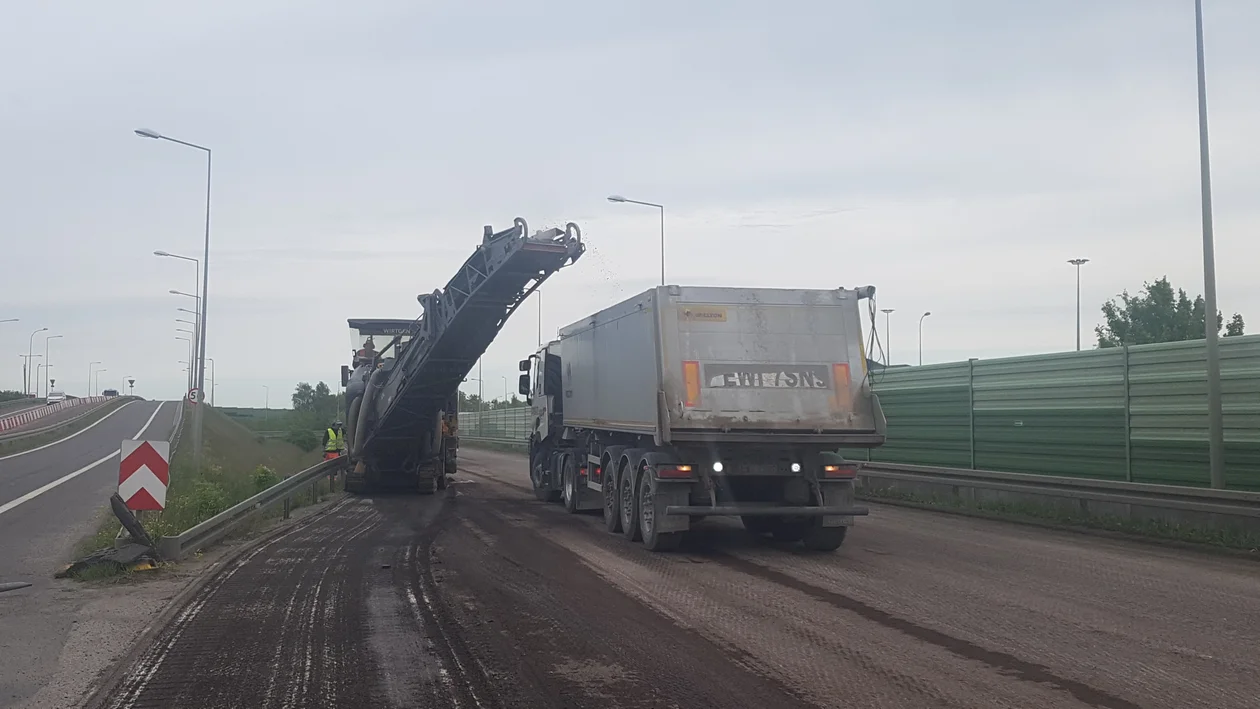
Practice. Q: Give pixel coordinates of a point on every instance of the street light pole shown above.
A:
(30, 351)
(189, 382)
(1216, 417)
(91, 366)
(27, 369)
(619, 198)
(212, 384)
(97, 389)
(196, 288)
(205, 289)
(47, 365)
(921, 336)
(1078, 262)
(887, 335)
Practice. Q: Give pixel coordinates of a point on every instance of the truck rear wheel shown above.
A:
(629, 506)
(758, 525)
(612, 502)
(789, 530)
(653, 539)
(819, 538)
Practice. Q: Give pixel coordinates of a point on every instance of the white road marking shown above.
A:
(76, 433)
(71, 476)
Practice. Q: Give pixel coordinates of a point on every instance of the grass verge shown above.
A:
(28, 442)
(237, 464)
(1045, 515)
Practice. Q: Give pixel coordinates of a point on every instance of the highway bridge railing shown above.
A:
(1173, 506)
(174, 548)
(91, 407)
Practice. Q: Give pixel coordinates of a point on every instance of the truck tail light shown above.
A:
(844, 397)
(839, 471)
(691, 378)
(673, 471)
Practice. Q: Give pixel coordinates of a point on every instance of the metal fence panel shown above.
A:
(1135, 414)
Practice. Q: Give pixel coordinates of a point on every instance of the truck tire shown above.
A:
(652, 539)
(612, 501)
(758, 525)
(570, 492)
(537, 477)
(819, 538)
(352, 421)
(629, 503)
(429, 486)
(788, 529)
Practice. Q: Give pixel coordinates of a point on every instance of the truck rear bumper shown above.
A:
(754, 510)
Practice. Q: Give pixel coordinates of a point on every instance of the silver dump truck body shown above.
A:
(689, 363)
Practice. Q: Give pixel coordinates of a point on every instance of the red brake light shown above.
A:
(673, 471)
(839, 471)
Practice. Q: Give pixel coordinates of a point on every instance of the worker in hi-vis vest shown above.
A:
(334, 441)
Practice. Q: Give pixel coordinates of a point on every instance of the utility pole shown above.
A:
(1078, 262)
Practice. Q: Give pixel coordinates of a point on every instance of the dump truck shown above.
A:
(403, 389)
(688, 402)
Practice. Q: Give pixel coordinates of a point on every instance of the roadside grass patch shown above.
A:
(236, 466)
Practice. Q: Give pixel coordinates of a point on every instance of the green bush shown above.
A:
(264, 478)
(304, 439)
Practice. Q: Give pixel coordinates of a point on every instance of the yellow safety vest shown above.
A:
(334, 443)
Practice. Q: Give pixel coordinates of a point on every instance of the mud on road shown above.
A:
(484, 597)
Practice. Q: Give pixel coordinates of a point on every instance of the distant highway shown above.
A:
(483, 597)
(51, 498)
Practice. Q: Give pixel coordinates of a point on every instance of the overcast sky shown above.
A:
(954, 153)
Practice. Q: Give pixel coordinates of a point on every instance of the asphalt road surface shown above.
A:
(50, 499)
(484, 597)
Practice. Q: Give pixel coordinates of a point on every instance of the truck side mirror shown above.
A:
(523, 385)
(523, 365)
(345, 376)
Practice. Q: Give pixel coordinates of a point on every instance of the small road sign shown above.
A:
(144, 473)
(194, 395)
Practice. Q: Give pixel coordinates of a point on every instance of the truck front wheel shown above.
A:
(538, 476)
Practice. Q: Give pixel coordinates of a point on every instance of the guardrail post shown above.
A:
(288, 503)
(971, 410)
(1128, 436)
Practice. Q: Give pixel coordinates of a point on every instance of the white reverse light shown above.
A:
(796, 467)
(717, 466)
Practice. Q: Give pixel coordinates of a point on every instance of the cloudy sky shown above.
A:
(954, 153)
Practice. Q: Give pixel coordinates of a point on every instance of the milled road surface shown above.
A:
(50, 498)
(484, 597)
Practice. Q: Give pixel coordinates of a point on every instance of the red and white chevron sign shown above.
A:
(144, 474)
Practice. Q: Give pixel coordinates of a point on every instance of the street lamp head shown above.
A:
(160, 253)
(927, 313)
(887, 310)
(146, 133)
(1078, 261)
(11, 320)
(616, 198)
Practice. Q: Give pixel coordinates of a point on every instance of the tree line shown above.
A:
(1158, 314)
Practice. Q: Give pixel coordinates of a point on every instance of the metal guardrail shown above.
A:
(1172, 504)
(174, 548)
(1176, 504)
(5, 438)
